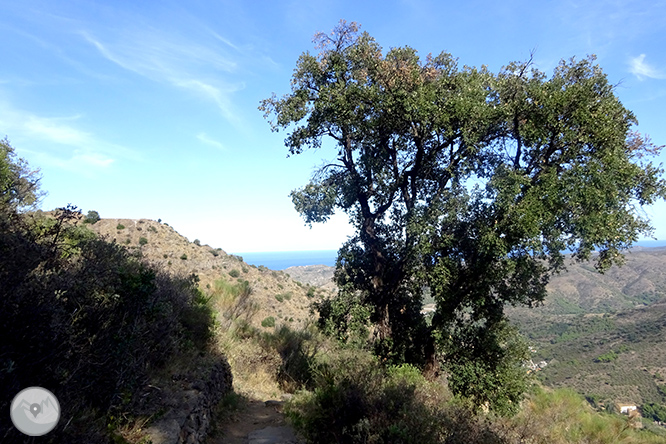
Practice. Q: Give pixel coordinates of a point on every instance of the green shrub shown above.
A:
(120, 227)
(234, 273)
(311, 292)
(268, 322)
(356, 400)
(143, 241)
(91, 218)
(153, 229)
(183, 257)
(197, 242)
(96, 319)
(283, 296)
(214, 252)
(656, 412)
(607, 357)
(245, 269)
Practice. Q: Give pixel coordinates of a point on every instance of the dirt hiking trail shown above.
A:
(256, 422)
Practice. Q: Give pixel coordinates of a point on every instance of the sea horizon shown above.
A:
(280, 260)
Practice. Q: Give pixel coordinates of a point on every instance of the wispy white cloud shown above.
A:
(61, 144)
(640, 68)
(202, 69)
(203, 137)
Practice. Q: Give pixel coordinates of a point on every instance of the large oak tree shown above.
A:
(463, 184)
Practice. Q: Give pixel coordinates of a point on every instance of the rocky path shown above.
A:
(257, 423)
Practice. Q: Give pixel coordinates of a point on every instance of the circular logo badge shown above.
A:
(35, 411)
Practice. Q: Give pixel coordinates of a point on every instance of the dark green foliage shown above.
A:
(120, 227)
(143, 241)
(311, 292)
(656, 412)
(268, 322)
(19, 185)
(487, 366)
(92, 217)
(85, 319)
(234, 273)
(607, 357)
(464, 182)
(345, 318)
(197, 242)
(183, 257)
(357, 400)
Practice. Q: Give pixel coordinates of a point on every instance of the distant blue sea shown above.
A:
(279, 260)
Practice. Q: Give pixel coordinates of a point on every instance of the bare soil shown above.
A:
(256, 423)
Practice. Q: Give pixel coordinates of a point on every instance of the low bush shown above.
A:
(234, 273)
(268, 322)
(143, 241)
(120, 227)
(281, 297)
(357, 400)
(95, 319)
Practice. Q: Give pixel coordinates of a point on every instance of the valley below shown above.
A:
(603, 335)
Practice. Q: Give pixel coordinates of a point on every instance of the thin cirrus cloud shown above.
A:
(57, 142)
(204, 138)
(183, 64)
(641, 69)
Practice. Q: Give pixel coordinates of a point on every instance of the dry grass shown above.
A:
(165, 247)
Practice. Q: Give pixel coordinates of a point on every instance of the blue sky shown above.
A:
(149, 109)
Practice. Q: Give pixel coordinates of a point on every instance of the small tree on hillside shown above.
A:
(92, 217)
(466, 183)
(19, 185)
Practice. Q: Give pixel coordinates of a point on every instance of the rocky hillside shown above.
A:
(317, 275)
(273, 293)
(580, 289)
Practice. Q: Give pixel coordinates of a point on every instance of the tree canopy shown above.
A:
(19, 185)
(465, 186)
